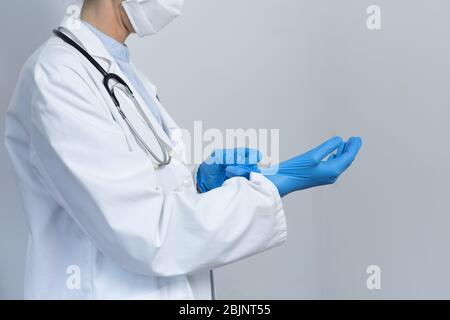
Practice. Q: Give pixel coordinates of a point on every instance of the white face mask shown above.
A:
(148, 17)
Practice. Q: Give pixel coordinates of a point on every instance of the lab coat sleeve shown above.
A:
(83, 158)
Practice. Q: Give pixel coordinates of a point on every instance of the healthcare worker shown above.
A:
(113, 209)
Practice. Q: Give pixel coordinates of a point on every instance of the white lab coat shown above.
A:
(103, 223)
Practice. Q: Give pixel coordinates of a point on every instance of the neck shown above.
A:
(107, 17)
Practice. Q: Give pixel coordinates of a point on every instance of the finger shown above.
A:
(254, 156)
(326, 148)
(251, 156)
(338, 153)
(347, 143)
(341, 149)
(235, 156)
(228, 156)
(236, 171)
(247, 156)
(353, 145)
(352, 148)
(214, 158)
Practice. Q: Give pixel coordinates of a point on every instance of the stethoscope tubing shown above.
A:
(107, 77)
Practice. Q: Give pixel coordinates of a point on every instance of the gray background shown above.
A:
(312, 69)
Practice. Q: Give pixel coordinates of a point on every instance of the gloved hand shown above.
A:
(319, 166)
(214, 171)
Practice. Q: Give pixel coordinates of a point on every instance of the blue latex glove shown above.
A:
(320, 166)
(214, 171)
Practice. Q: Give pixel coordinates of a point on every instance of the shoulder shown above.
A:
(53, 65)
(54, 59)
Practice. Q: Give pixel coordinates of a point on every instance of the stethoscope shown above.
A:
(122, 85)
(107, 77)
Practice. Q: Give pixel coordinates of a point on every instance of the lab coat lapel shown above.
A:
(176, 135)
